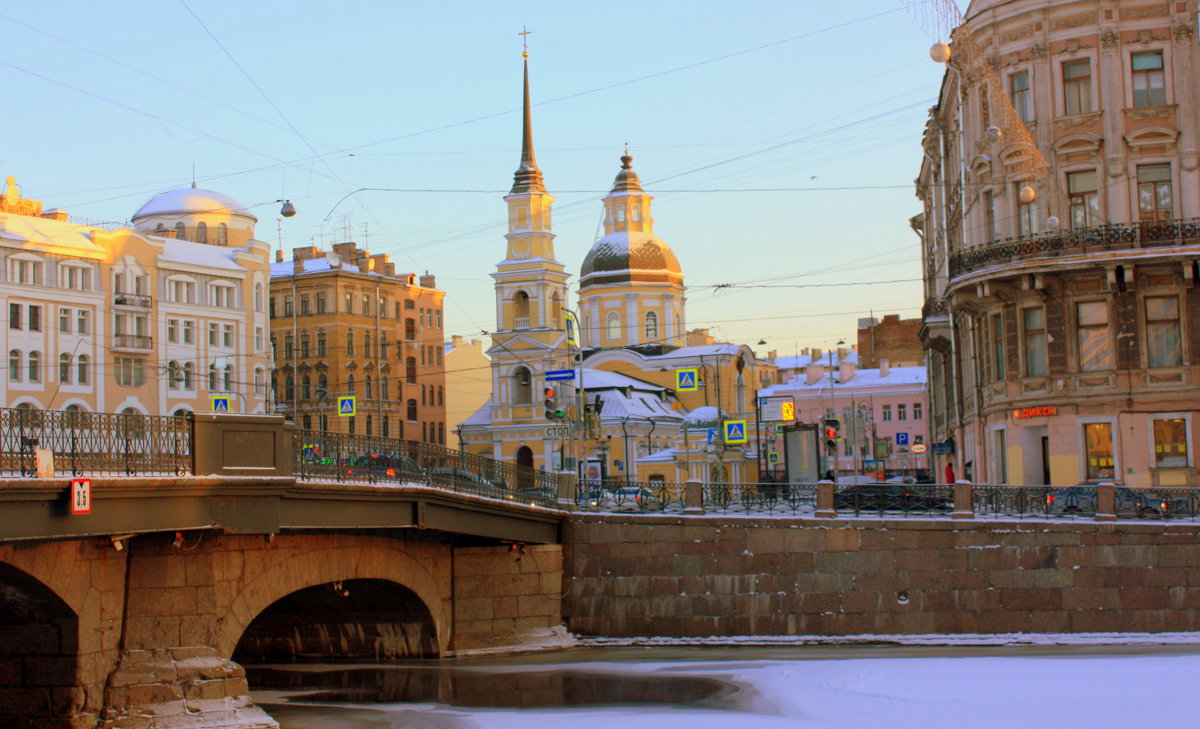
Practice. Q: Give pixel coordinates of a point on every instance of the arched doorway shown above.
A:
(525, 458)
(365, 619)
(36, 626)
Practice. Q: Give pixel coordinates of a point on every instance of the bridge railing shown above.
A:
(374, 459)
(94, 443)
(717, 498)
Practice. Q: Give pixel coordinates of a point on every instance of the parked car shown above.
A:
(1082, 499)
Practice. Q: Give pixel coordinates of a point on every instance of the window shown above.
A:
(305, 387)
(14, 365)
(1170, 443)
(222, 295)
(201, 232)
(522, 386)
(1095, 350)
(1155, 200)
(271, 307)
(189, 332)
(188, 372)
(1149, 81)
(1077, 86)
(410, 329)
(410, 411)
(181, 291)
(258, 339)
(321, 302)
(989, 215)
(24, 271)
(174, 375)
(408, 304)
(614, 326)
(383, 388)
(917, 411)
(349, 344)
(366, 305)
(323, 383)
(385, 426)
(1025, 213)
(180, 231)
(1018, 91)
(651, 326)
(130, 371)
(289, 389)
(260, 381)
(437, 351)
(1036, 363)
(368, 387)
(304, 346)
(212, 334)
(350, 384)
(887, 413)
(172, 330)
(212, 377)
(902, 412)
(1164, 345)
(410, 371)
(14, 316)
(35, 318)
(349, 303)
(83, 369)
(288, 346)
(1098, 446)
(64, 319)
(321, 345)
(1085, 203)
(999, 369)
(289, 306)
(366, 344)
(75, 277)
(227, 335)
(440, 401)
(223, 236)
(304, 305)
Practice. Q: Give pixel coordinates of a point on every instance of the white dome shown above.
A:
(191, 201)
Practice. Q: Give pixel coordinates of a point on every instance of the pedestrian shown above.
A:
(950, 472)
(829, 475)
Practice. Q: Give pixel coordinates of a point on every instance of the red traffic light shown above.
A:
(548, 393)
(831, 433)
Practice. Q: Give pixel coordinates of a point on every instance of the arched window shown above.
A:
(383, 391)
(321, 346)
(614, 326)
(258, 292)
(678, 326)
(323, 383)
(556, 316)
(651, 325)
(180, 231)
(410, 329)
(367, 344)
(201, 232)
(83, 369)
(14, 365)
(35, 366)
(223, 236)
(350, 384)
(64, 368)
(289, 389)
(440, 401)
(385, 427)
(349, 344)
(259, 380)
(307, 420)
(305, 387)
(522, 386)
(410, 412)
(187, 375)
(173, 375)
(410, 370)
(369, 425)
(368, 391)
(228, 378)
(352, 424)
(521, 310)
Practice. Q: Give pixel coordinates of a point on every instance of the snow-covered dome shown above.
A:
(706, 416)
(192, 201)
(629, 256)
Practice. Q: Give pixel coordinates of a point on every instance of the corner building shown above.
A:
(1061, 245)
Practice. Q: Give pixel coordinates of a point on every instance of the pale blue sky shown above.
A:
(110, 103)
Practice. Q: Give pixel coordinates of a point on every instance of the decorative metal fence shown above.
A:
(374, 459)
(87, 443)
(763, 499)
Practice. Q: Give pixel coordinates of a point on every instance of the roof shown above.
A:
(191, 200)
(45, 235)
(482, 416)
(627, 256)
(862, 379)
(800, 361)
(201, 254)
(318, 265)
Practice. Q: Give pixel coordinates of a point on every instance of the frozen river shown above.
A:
(745, 688)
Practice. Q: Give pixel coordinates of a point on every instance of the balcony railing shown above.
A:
(1143, 234)
(133, 342)
(139, 301)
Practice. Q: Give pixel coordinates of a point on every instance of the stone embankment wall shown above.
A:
(635, 575)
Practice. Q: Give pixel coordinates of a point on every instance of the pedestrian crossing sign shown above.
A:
(346, 406)
(735, 431)
(687, 380)
(220, 403)
(772, 458)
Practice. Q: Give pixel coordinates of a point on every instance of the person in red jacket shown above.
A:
(950, 472)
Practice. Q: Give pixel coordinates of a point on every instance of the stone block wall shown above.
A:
(507, 595)
(641, 575)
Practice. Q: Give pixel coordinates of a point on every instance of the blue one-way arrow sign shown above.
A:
(560, 375)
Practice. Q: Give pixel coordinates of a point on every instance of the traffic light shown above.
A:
(831, 427)
(553, 410)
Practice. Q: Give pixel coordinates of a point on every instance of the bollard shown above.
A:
(964, 497)
(693, 497)
(1106, 502)
(825, 508)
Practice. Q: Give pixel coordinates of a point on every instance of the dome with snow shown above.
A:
(703, 417)
(194, 214)
(191, 201)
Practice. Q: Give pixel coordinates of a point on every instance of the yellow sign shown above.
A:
(347, 406)
(687, 380)
(220, 403)
(735, 431)
(572, 329)
(788, 411)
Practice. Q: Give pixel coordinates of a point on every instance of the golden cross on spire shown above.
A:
(524, 41)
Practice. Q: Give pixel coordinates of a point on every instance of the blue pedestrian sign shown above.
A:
(560, 375)
(347, 408)
(220, 403)
(712, 434)
(687, 380)
(735, 431)
(772, 458)
(901, 439)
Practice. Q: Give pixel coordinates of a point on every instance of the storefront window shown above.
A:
(1170, 443)
(1098, 442)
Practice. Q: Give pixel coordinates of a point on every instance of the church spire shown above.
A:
(528, 178)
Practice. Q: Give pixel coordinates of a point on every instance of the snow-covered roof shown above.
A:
(862, 379)
(482, 416)
(191, 200)
(697, 351)
(46, 235)
(201, 254)
(803, 360)
(316, 265)
(603, 378)
(705, 414)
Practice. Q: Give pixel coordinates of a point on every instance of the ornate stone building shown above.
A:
(1061, 243)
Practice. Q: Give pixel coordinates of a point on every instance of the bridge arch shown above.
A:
(315, 561)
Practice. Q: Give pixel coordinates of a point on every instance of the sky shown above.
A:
(779, 138)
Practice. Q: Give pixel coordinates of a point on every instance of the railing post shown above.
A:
(825, 508)
(241, 445)
(1106, 502)
(693, 497)
(964, 500)
(568, 487)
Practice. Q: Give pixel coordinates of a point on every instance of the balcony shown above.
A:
(132, 343)
(135, 301)
(1120, 236)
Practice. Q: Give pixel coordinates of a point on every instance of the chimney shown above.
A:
(297, 265)
(456, 341)
(845, 371)
(56, 214)
(884, 368)
(816, 354)
(842, 353)
(279, 255)
(813, 372)
(428, 281)
(772, 355)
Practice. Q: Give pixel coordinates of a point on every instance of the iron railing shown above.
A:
(141, 301)
(87, 443)
(718, 498)
(1118, 236)
(374, 459)
(133, 341)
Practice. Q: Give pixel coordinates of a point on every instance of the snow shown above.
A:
(201, 254)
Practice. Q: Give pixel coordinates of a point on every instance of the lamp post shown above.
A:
(833, 454)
